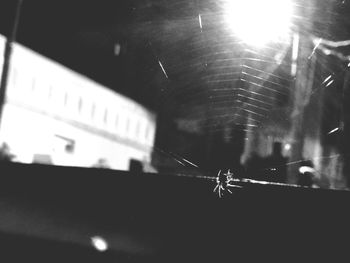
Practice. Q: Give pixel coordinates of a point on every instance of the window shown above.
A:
(33, 84)
(80, 104)
(93, 109)
(14, 77)
(147, 132)
(116, 120)
(105, 116)
(50, 92)
(127, 124)
(65, 99)
(137, 129)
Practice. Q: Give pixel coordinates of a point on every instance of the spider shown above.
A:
(223, 182)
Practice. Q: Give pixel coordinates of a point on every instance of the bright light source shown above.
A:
(306, 169)
(258, 22)
(99, 243)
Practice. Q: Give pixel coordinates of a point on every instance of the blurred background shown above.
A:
(181, 87)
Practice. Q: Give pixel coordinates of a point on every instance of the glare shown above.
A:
(306, 169)
(99, 243)
(258, 22)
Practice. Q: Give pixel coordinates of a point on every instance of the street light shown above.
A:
(258, 22)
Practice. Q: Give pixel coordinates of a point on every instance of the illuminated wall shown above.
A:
(53, 111)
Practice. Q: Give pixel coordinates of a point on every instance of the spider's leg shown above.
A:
(229, 191)
(220, 192)
(216, 187)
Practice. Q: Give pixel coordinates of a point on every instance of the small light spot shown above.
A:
(200, 21)
(334, 130)
(287, 146)
(317, 43)
(99, 243)
(328, 78)
(329, 83)
(327, 52)
(161, 66)
(117, 48)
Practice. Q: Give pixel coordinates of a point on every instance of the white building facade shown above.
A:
(55, 114)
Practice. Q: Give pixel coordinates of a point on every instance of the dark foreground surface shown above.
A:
(49, 214)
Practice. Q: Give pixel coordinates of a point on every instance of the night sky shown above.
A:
(82, 34)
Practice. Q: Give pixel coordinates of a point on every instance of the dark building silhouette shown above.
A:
(5, 153)
(276, 165)
(254, 167)
(135, 166)
(225, 153)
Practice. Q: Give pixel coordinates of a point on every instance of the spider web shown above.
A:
(213, 83)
